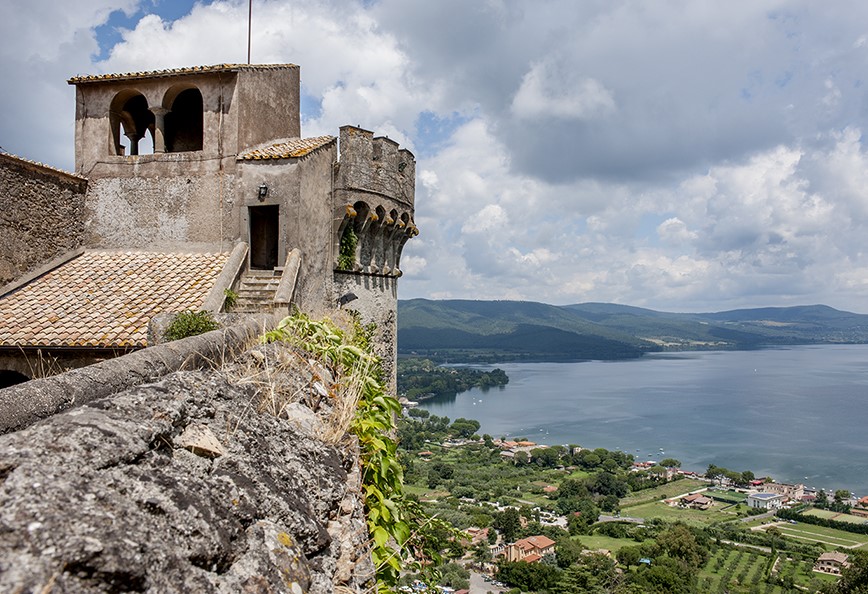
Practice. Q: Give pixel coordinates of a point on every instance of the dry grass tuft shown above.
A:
(43, 365)
(281, 374)
(346, 403)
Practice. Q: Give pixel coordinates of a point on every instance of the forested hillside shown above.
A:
(462, 330)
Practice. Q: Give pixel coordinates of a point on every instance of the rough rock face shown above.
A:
(180, 486)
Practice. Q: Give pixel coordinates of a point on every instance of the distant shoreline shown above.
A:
(764, 420)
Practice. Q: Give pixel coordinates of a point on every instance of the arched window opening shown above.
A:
(378, 251)
(10, 378)
(184, 121)
(130, 122)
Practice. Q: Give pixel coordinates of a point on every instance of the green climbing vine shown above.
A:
(347, 253)
(401, 532)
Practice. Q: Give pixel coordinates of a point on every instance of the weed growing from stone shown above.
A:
(402, 534)
(230, 298)
(190, 323)
(347, 255)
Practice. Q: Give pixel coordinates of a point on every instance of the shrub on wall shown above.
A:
(347, 255)
(402, 534)
(190, 323)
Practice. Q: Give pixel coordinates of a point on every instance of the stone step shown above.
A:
(256, 289)
(240, 303)
(264, 273)
(260, 280)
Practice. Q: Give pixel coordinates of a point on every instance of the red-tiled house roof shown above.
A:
(286, 149)
(104, 299)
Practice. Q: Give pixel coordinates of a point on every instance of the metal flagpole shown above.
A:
(249, 21)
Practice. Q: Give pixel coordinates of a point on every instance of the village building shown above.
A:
(497, 550)
(696, 501)
(766, 501)
(477, 535)
(790, 492)
(190, 182)
(861, 508)
(530, 549)
(832, 562)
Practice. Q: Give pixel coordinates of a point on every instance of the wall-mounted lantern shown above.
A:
(263, 192)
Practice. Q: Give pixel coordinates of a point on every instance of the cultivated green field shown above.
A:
(596, 542)
(662, 492)
(693, 517)
(728, 496)
(829, 537)
(824, 513)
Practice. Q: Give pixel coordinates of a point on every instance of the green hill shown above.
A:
(465, 330)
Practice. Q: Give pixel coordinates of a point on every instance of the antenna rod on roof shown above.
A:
(249, 21)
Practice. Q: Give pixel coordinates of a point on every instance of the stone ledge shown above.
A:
(23, 404)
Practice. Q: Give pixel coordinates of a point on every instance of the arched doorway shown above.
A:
(184, 120)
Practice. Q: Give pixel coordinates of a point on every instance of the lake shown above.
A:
(798, 414)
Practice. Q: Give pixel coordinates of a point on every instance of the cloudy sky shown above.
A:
(684, 155)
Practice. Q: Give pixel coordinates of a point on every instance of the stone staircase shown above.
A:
(256, 290)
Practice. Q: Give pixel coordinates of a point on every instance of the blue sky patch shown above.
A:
(433, 131)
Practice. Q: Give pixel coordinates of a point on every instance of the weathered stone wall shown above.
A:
(180, 486)
(311, 229)
(169, 205)
(41, 215)
(378, 303)
(376, 166)
(191, 484)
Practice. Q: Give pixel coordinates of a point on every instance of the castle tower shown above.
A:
(159, 149)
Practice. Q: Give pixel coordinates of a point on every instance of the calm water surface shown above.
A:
(799, 414)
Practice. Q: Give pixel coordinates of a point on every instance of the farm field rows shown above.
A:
(657, 493)
(838, 517)
(829, 537)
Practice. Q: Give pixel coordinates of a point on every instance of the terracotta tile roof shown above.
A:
(93, 78)
(834, 556)
(49, 168)
(287, 149)
(535, 542)
(104, 299)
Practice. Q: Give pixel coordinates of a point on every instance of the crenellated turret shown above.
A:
(374, 202)
(376, 166)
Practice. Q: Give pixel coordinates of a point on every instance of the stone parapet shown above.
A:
(26, 403)
(376, 166)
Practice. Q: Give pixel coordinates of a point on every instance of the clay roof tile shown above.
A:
(97, 78)
(292, 148)
(82, 303)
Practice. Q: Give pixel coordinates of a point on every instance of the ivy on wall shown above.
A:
(402, 534)
(347, 253)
